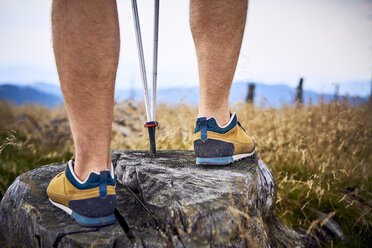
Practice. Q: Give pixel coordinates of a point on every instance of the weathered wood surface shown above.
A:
(166, 201)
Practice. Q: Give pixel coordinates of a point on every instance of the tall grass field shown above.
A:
(321, 156)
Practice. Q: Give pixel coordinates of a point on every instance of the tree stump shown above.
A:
(163, 201)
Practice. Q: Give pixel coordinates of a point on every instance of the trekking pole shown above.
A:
(155, 59)
(151, 126)
(150, 110)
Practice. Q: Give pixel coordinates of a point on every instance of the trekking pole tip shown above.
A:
(151, 125)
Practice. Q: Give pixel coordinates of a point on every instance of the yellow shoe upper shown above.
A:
(62, 191)
(232, 135)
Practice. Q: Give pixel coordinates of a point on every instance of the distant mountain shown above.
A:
(279, 95)
(28, 95)
(265, 95)
(48, 88)
(274, 95)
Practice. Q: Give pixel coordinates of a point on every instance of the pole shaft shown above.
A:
(155, 59)
(142, 59)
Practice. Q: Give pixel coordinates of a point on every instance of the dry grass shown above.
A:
(321, 156)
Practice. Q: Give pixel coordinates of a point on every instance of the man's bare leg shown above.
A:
(86, 44)
(217, 27)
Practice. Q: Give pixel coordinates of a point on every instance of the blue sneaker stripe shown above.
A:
(223, 160)
(203, 128)
(215, 161)
(93, 221)
(103, 183)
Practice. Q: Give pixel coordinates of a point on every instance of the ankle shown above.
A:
(82, 168)
(222, 117)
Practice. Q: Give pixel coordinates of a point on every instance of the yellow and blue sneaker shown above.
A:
(216, 145)
(92, 202)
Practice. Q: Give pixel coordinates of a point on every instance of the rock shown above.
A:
(29, 220)
(327, 228)
(163, 201)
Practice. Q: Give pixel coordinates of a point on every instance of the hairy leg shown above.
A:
(86, 43)
(217, 27)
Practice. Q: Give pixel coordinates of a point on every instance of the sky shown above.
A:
(327, 42)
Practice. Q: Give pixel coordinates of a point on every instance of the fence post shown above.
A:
(299, 97)
(250, 95)
(337, 89)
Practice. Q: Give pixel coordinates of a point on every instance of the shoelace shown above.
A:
(240, 125)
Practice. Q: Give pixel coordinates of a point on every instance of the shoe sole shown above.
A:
(84, 220)
(223, 160)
